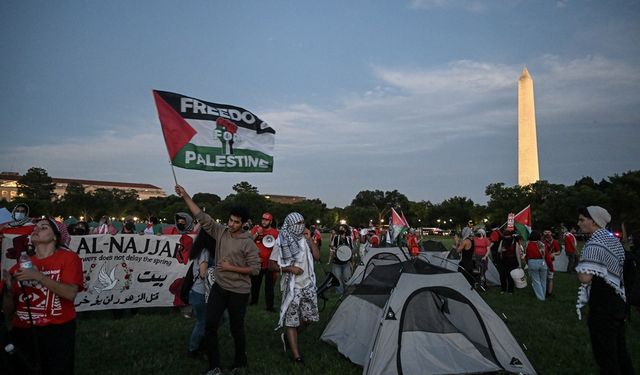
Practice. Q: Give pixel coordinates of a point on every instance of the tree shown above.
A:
(245, 187)
(455, 212)
(381, 201)
(75, 202)
(36, 184)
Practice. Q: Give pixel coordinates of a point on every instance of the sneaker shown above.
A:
(215, 371)
(283, 338)
(299, 361)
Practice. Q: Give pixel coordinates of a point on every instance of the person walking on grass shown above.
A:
(600, 270)
(293, 256)
(237, 259)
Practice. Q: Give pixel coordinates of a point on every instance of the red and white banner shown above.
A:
(123, 270)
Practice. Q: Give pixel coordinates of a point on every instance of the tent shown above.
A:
(443, 260)
(416, 318)
(432, 245)
(377, 256)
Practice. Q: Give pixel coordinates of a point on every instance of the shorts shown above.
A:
(549, 275)
(303, 307)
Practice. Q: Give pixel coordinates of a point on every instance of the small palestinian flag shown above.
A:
(214, 137)
(523, 222)
(397, 225)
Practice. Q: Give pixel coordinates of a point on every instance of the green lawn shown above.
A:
(155, 340)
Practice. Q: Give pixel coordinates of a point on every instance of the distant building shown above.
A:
(284, 199)
(9, 186)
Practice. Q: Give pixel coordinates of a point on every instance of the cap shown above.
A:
(267, 216)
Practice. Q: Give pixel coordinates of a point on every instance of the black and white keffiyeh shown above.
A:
(290, 236)
(602, 256)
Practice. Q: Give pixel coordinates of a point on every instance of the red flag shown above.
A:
(177, 132)
(404, 219)
(524, 217)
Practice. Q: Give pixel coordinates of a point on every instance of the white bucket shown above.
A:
(519, 278)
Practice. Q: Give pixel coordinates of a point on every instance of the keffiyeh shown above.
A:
(603, 256)
(290, 236)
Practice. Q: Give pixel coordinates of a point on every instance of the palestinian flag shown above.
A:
(523, 222)
(397, 225)
(212, 136)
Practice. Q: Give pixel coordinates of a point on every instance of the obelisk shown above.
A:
(528, 172)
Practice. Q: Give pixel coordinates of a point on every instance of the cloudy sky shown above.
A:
(418, 96)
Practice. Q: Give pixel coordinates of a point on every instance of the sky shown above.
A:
(418, 96)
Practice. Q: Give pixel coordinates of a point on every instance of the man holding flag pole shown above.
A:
(219, 137)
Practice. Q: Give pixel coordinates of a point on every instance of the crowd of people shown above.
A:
(231, 262)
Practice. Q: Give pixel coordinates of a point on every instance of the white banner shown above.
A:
(124, 270)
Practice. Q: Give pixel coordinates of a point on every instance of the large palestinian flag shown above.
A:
(523, 222)
(212, 136)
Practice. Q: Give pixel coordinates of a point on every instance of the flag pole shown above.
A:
(174, 172)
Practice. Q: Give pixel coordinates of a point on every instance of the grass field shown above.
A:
(155, 340)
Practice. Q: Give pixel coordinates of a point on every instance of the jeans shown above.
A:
(256, 283)
(538, 273)
(236, 303)
(343, 273)
(199, 309)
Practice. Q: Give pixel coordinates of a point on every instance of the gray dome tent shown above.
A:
(415, 318)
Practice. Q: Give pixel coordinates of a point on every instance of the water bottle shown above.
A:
(25, 261)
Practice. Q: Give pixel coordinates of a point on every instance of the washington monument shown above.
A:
(528, 172)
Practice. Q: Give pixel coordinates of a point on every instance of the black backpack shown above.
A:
(631, 279)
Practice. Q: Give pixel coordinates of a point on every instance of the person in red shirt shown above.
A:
(481, 254)
(553, 247)
(537, 259)
(571, 249)
(41, 299)
(259, 232)
(412, 243)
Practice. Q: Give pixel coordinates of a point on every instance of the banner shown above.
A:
(123, 270)
(214, 137)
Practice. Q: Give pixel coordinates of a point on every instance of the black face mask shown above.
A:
(80, 231)
(130, 226)
(180, 226)
(341, 231)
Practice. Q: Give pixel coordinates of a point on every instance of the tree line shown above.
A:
(552, 204)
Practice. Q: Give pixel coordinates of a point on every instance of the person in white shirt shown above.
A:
(293, 256)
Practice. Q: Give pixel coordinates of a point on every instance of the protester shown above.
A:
(152, 226)
(571, 249)
(553, 247)
(412, 243)
(293, 256)
(495, 237)
(464, 247)
(129, 226)
(237, 258)
(44, 327)
(104, 227)
(20, 223)
(481, 254)
(259, 232)
(200, 254)
(507, 261)
(81, 228)
(341, 268)
(184, 224)
(536, 257)
(600, 270)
